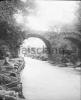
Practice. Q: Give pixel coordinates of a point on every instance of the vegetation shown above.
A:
(10, 86)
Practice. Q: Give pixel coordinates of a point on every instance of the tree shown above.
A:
(78, 25)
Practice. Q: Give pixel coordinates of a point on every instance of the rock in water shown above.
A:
(42, 81)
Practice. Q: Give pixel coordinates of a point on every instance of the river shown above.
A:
(43, 81)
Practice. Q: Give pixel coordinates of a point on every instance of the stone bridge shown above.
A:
(73, 37)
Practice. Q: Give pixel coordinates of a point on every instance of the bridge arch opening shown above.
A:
(35, 46)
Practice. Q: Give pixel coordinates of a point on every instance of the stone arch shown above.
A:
(77, 43)
(75, 39)
(46, 41)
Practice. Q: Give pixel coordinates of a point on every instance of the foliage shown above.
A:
(78, 25)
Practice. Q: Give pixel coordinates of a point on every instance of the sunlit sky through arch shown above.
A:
(48, 14)
(32, 42)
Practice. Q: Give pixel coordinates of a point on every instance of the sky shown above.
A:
(47, 15)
